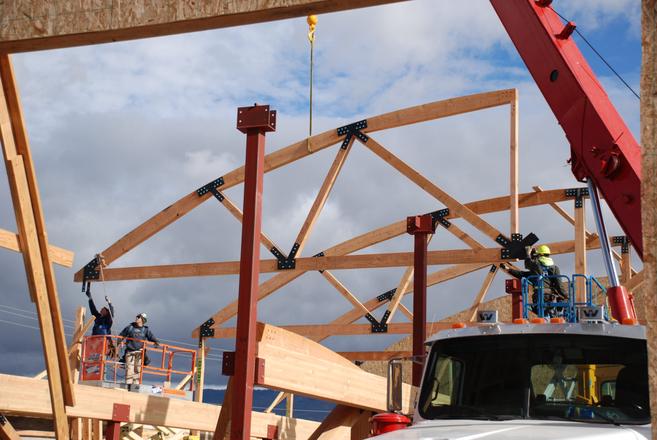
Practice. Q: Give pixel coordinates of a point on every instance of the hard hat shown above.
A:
(143, 316)
(543, 250)
(311, 20)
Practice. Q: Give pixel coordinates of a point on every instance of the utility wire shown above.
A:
(28, 317)
(601, 57)
(31, 312)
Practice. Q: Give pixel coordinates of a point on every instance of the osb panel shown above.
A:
(72, 21)
(649, 188)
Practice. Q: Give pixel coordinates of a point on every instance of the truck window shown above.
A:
(597, 379)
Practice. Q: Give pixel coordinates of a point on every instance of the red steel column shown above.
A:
(255, 121)
(420, 227)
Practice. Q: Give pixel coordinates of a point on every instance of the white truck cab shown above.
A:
(534, 381)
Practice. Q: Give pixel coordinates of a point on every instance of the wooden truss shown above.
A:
(290, 266)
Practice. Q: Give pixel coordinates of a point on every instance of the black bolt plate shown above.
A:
(578, 193)
(217, 194)
(293, 252)
(439, 216)
(351, 130)
(384, 318)
(91, 271)
(624, 241)
(516, 247)
(386, 296)
(206, 329)
(321, 254)
(216, 183)
(377, 327)
(493, 268)
(3, 420)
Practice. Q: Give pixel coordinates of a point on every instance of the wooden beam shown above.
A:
(299, 150)
(513, 166)
(580, 250)
(636, 281)
(337, 423)
(277, 400)
(22, 170)
(373, 355)
(488, 280)
(298, 365)
(7, 432)
(29, 397)
(344, 291)
(63, 257)
(321, 330)
(304, 264)
(31, 26)
(454, 205)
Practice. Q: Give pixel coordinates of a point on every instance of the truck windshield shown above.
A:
(598, 379)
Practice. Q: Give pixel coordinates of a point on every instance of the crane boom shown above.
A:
(603, 148)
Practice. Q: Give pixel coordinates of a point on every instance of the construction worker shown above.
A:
(136, 332)
(103, 323)
(538, 262)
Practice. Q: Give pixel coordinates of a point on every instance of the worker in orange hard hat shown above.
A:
(539, 262)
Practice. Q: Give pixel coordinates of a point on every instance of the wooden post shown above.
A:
(488, 280)
(31, 234)
(225, 413)
(199, 376)
(254, 122)
(580, 248)
(289, 405)
(75, 349)
(513, 166)
(649, 187)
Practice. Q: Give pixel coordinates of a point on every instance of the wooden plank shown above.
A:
(440, 195)
(223, 419)
(68, 24)
(322, 196)
(277, 400)
(488, 280)
(513, 166)
(23, 149)
(29, 397)
(373, 355)
(298, 365)
(337, 423)
(289, 405)
(96, 429)
(75, 355)
(18, 183)
(7, 432)
(580, 251)
(63, 257)
(626, 267)
(320, 330)
(299, 150)
(636, 281)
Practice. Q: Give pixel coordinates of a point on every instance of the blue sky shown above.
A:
(120, 131)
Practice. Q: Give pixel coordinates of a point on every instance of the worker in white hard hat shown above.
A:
(135, 355)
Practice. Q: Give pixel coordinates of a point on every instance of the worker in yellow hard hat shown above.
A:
(539, 262)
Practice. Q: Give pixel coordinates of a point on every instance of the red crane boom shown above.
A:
(603, 148)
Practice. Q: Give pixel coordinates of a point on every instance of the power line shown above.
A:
(601, 57)
(28, 317)
(30, 312)
(27, 326)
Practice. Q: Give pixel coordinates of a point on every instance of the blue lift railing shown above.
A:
(566, 309)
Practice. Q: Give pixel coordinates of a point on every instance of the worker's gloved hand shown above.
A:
(503, 266)
(88, 293)
(108, 299)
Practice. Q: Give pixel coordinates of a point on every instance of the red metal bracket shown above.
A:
(272, 432)
(420, 224)
(257, 117)
(120, 413)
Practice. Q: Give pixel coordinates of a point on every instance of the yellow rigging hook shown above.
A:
(312, 23)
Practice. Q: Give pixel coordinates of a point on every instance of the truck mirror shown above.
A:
(394, 394)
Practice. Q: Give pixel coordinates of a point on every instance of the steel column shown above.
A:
(420, 227)
(254, 121)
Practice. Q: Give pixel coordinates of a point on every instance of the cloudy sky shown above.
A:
(120, 131)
